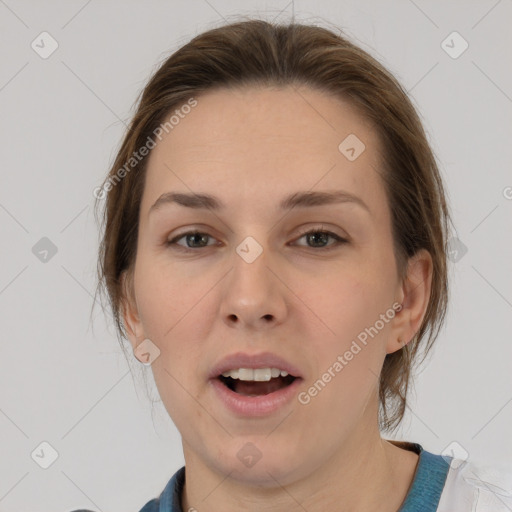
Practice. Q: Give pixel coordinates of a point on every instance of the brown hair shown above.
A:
(256, 52)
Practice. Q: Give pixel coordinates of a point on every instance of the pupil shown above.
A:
(194, 236)
(313, 237)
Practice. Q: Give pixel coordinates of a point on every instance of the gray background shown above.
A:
(63, 378)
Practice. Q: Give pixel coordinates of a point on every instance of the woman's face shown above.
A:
(252, 286)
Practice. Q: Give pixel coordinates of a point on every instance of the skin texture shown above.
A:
(251, 147)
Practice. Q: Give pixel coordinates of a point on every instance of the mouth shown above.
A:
(255, 385)
(256, 382)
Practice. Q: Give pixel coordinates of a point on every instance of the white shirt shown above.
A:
(470, 487)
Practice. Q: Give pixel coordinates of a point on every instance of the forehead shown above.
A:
(260, 142)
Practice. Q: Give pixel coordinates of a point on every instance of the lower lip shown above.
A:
(261, 405)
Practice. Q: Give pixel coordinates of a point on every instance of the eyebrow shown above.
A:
(295, 200)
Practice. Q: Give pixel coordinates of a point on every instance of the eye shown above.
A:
(193, 240)
(316, 238)
(319, 238)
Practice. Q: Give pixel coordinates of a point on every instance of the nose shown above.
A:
(253, 296)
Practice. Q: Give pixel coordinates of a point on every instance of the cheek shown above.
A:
(169, 309)
(347, 299)
(348, 304)
(349, 358)
(168, 298)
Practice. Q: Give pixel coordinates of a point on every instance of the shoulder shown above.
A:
(476, 487)
(170, 497)
(151, 506)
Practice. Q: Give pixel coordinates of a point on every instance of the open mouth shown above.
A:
(256, 388)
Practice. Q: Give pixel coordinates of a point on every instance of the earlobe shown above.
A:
(415, 295)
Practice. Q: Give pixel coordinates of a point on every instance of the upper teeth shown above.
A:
(258, 374)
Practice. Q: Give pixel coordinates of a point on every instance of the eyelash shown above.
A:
(339, 240)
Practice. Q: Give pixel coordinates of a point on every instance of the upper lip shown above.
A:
(261, 360)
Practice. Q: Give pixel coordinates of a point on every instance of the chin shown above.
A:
(260, 463)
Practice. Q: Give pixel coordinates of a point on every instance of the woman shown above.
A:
(274, 246)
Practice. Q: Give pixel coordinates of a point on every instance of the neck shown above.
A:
(366, 473)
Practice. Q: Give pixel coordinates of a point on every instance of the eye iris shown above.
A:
(191, 238)
(313, 237)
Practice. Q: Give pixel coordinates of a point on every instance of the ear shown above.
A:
(414, 295)
(129, 311)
